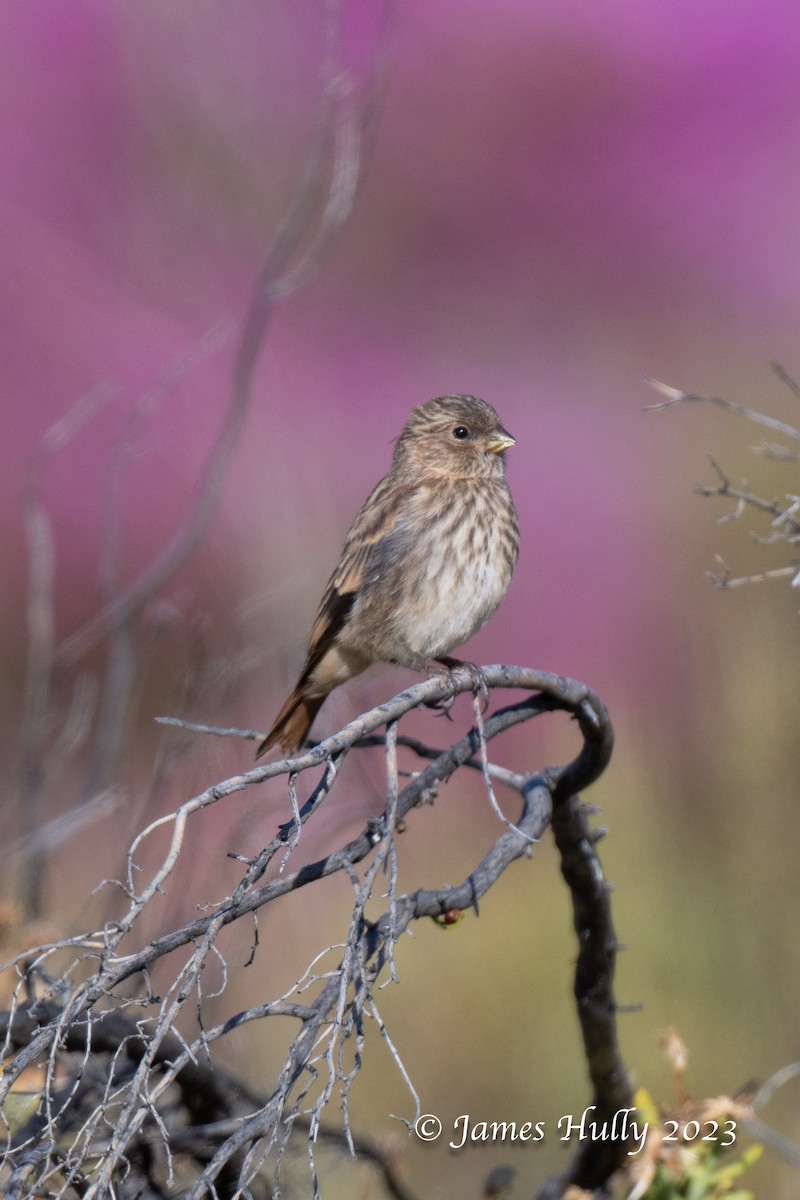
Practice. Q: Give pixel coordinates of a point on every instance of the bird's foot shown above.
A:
(441, 707)
(480, 688)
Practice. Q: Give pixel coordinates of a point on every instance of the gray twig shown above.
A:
(137, 1092)
(785, 512)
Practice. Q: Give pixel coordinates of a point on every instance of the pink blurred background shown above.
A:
(562, 199)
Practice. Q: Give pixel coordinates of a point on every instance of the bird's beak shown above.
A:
(499, 441)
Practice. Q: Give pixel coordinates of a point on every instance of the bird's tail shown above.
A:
(292, 722)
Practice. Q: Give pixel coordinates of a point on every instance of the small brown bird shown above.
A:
(427, 561)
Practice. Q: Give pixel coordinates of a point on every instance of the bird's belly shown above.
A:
(458, 592)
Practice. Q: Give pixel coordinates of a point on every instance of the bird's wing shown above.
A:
(385, 507)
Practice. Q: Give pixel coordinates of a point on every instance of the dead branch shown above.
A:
(784, 511)
(676, 396)
(134, 1070)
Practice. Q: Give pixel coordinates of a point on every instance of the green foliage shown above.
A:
(703, 1177)
(689, 1169)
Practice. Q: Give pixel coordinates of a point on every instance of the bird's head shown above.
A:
(454, 436)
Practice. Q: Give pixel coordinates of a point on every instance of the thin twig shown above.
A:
(676, 396)
(346, 995)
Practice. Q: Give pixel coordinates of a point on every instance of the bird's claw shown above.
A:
(442, 707)
(480, 687)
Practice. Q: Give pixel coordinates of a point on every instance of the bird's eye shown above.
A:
(461, 432)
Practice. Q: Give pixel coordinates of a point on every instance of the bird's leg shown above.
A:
(445, 666)
(425, 667)
(439, 667)
(479, 685)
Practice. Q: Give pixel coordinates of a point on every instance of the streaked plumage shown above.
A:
(429, 557)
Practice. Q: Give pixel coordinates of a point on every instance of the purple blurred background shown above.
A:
(561, 200)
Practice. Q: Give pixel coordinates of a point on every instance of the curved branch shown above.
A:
(347, 993)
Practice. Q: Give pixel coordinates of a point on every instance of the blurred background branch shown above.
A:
(784, 528)
(347, 116)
